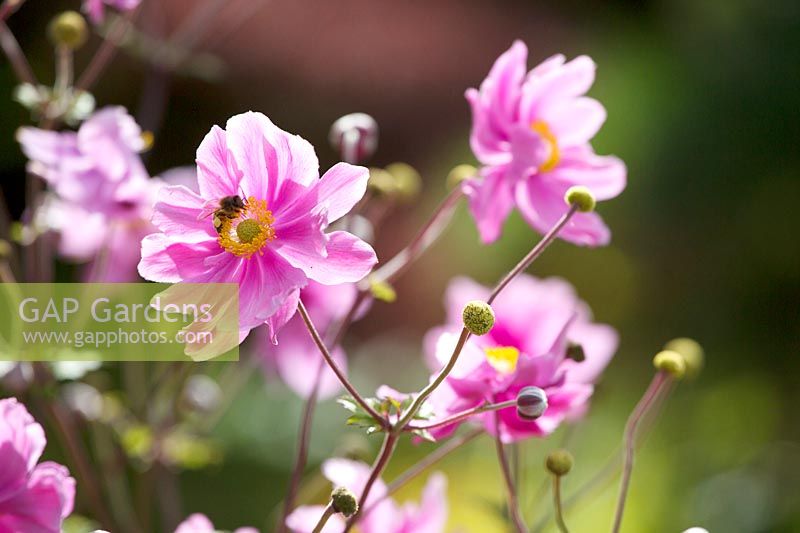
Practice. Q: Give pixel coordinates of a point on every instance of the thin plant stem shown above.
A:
(485, 408)
(303, 440)
(336, 370)
(8, 7)
(513, 505)
(537, 250)
(428, 461)
(61, 420)
(562, 526)
(427, 391)
(308, 417)
(10, 46)
(106, 51)
(326, 514)
(389, 444)
(64, 70)
(426, 236)
(641, 409)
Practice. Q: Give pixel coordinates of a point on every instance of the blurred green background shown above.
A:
(703, 103)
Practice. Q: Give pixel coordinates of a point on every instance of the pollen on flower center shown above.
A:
(249, 231)
(503, 358)
(546, 133)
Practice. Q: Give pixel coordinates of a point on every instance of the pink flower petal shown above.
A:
(340, 188)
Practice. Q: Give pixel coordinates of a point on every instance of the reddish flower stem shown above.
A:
(639, 412)
(10, 45)
(485, 408)
(537, 250)
(336, 370)
(426, 236)
(513, 504)
(303, 440)
(106, 51)
(389, 444)
(428, 461)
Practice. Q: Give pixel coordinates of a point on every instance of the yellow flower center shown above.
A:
(543, 129)
(249, 231)
(503, 358)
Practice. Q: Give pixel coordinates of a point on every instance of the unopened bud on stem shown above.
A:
(343, 501)
(670, 362)
(407, 180)
(692, 354)
(559, 462)
(68, 29)
(355, 137)
(531, 403)
(581, 197)
(478, 317)
(459, 174)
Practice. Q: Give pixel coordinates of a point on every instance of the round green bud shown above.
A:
(692, 353)
(478, 317)
(68, 29)
(343, 501)
(581, 197)
(459, 174)
(408, 182)
(559, 462)
(670, 362)
(5, 249)
(381, 183)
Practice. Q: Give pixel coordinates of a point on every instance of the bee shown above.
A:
(228, 207)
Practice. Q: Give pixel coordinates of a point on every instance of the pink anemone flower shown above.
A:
(531, 132)
(538, 323)
(276, 240)
(34, 498)
(381, 514)
(102, 195)
(95, 9)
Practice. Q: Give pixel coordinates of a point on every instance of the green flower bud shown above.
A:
(670, 362)
(344, 502)
(559, 462)
(478, 317)
(408, 182)
(381, 183)
(5, 249)
(459, 174)
(692, 354)
(581, 197)
(68, 29)
(382, 291)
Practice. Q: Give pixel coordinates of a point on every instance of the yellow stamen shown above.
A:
(543, 129)
(250, 231)
(503, 358)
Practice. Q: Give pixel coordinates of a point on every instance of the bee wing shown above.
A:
(208, 209)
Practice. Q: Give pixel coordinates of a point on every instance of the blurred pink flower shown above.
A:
(103, 195)
(384, 516)
(199, 523)
(531, 132)
(535, 322)
(277, 243)
(96, 10)
(33, 498)
(297, 357)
